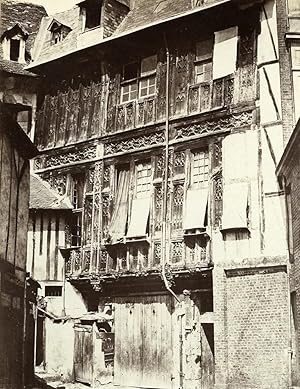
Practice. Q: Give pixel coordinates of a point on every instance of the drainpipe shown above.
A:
(165, 183)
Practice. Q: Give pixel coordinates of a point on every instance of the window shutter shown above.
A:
(235, 211)
(225, 52)
(139, 217)
(195, 209)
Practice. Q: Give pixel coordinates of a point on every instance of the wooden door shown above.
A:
(143, 343)
(83, 354)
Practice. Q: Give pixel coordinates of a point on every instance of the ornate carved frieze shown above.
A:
(157, 254)
(136, 143)
(176, 251)
(210, 126)
(57, 182)
(85, 153)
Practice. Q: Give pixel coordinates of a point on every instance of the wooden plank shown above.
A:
(77, 355)
(87, 356)
(5, 164)
(52, 249)
(207, 356)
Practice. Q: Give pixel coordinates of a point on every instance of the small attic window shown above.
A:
(14, 49)
(56, 34)
(92, 14)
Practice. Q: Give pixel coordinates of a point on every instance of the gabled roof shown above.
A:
(43, 47)
(43, 197)
(59, 23)
(11, 31)
(26, 16)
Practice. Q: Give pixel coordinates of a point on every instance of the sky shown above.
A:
(53, 6)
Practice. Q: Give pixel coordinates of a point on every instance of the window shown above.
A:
(197, 194)
(148, 76)
(143, 180)
(139, 79)
(141, 203)
(92, 14)
(53, 291)
(14, 49)
(77, 202)
(200, 169)
(130, 85)
(56, 36)
(203, 62)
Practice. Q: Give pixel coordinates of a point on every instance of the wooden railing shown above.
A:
(136, 113)
(201, 98)
(135, 257)
(209, 95)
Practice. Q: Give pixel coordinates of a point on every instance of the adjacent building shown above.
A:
(16, 150)
(163, 123)
(19, 24)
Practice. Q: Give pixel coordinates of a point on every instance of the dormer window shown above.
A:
(92, 14)
(58, 31)
(13, 44)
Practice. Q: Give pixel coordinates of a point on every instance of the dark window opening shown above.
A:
(92, 14)
(53, 291)
(14, 49)
(78, 187)
(130, 71)
(76, 227)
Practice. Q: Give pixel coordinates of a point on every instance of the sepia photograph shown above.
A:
(149, 194)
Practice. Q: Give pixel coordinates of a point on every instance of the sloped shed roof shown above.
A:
(43, 197)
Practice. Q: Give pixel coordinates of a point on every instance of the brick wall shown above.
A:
(293, 180)
(285, 71)
(257, 317)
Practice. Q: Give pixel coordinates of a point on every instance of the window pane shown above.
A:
(144, 83)
(93, 15)
(148, 64)
(203, 71)
(199, 168)
(133, 95)
(152, 90)
(143, 180)
(151, 80)
(204, 49)
(130, 71)
(14, 49)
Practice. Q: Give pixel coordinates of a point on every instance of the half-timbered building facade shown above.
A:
(16, 150)
(162, 122)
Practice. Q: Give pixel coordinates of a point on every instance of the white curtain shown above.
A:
(120, 213)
